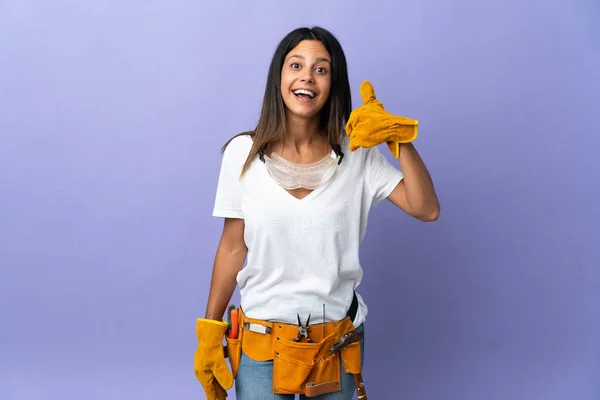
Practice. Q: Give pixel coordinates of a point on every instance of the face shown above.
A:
(306, 79)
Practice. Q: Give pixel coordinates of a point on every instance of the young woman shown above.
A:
(295, 202)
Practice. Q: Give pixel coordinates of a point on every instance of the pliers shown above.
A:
(302, 330)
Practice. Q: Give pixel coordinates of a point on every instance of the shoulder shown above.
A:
(238, 148)
(239, 145)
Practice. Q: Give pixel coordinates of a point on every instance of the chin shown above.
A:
(303, 112)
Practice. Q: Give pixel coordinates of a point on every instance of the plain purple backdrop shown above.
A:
(112, 114)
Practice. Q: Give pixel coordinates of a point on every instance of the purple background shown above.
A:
(112, 114)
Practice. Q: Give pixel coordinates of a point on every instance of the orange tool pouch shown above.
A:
(298, 367)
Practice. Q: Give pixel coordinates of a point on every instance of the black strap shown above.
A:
(353, 308)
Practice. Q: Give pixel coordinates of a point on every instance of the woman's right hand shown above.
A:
(209, 359)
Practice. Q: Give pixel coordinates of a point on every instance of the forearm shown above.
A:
(420, 192)
(228, 262)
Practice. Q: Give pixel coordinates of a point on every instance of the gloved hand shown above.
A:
(209, 359)
(370, 125)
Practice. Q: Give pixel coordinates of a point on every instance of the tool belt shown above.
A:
(299, 367)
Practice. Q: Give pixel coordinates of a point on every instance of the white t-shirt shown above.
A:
(302, 253)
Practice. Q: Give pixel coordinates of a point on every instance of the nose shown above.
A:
(308, 76)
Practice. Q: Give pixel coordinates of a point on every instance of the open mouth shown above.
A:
(304, 93)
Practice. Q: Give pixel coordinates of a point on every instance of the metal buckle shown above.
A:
(264, 330)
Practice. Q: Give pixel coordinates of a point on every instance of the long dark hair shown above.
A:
(271, 125)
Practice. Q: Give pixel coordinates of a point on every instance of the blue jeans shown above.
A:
(254, 381)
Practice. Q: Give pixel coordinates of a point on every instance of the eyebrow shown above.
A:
(302, 57)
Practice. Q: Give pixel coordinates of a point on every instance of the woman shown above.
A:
(295, 202)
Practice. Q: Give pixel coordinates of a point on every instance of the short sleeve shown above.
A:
(380, 175)
(228, 198)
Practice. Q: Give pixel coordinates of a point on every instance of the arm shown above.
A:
(229, 260)
(415, 193)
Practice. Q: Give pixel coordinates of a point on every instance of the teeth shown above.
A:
(303, 91)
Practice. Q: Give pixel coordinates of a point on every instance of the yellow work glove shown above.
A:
(370, 125)
(209, 359)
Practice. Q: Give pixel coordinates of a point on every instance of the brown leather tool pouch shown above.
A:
(295, 364)
(300, 367)
(352, 359)
(234, 352)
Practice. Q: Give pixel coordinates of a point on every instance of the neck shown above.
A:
(302, 133)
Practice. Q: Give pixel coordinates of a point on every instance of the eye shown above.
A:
(321, 70)
(295, 65)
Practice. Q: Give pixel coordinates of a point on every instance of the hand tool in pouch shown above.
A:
(302, 330)
(313, 390)
(344, 341)
(232, 325)
(232, 320)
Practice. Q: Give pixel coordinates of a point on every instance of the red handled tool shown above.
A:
(232, 320)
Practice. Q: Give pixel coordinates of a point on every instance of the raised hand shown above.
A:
(370, 124)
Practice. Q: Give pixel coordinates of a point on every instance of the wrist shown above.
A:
(212, 316)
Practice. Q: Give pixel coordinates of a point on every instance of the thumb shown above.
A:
(367, 92)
